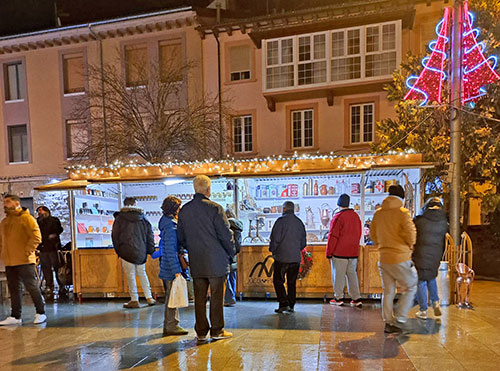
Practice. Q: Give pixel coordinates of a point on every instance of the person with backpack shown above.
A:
(133, 240)
(236, 227)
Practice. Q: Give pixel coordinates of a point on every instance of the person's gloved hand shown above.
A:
(328, 257)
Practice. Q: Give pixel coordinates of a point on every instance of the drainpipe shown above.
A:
(104, 123)
(221, 127)
(216, 35)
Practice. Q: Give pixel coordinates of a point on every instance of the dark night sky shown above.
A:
(19, 16)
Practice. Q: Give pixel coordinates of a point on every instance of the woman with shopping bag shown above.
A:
(170, 267)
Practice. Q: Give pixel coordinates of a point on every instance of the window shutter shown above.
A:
(240, 58)
(136, 65)
(171, 62)
(74, 81)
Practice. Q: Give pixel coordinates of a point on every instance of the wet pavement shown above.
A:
(101, 335)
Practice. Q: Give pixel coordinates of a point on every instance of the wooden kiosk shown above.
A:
(255, 189)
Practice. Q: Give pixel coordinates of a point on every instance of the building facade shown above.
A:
(44, 76)
(306, 80)
(312, 80)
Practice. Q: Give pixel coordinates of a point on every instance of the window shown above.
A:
(302, 128)
(18, 143)
(280, 63)
(73, 70)
(240, 62)
(342, 55)
(312, 59)
(77, 138)
(346, 55)
(381, 55)
(362, 123)
(14, 81)
(136, 65)
(242, 134)
(171, 62)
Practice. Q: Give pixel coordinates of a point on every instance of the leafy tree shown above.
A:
(427, 129)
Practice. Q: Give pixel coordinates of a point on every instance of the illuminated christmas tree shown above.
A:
(477, 70)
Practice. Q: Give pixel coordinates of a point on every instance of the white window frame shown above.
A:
(10, 149)
(329, 82)
(362, 123)
(280, 63)
(243, 134)
(312, 59)
(302, 129)
(68, 124)
(6, 79)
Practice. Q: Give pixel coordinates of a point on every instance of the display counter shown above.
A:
(255, 191)
(255, 269)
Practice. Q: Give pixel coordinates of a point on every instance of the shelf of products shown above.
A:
(94, 209)
(315, 198)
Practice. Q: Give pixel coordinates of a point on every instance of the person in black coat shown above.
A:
(133, 240)
(432, 226)
(51, 228)
(288, 239)
(203, 230)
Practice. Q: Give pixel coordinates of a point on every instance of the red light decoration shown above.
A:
(429, 84)
(478, 71)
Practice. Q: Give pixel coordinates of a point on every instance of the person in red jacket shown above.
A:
(343, 250)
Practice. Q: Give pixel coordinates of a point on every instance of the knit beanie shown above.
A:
(344, 200)
(397, 190)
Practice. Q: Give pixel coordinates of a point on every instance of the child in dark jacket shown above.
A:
(236, 227)
(170, 267)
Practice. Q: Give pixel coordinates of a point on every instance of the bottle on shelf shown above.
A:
(316, 189)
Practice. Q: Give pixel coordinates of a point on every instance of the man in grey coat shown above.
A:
(203, 230)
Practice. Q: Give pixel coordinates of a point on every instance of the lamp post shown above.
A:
(456, 120)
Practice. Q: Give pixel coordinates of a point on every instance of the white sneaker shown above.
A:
(10, 321)
(40, 318)
(421, 314)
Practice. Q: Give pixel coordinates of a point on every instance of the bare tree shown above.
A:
(148, 113)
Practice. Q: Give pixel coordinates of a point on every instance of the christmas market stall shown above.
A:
(255, 190)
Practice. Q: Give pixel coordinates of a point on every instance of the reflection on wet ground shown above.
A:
(100, 335)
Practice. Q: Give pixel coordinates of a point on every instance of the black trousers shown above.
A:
(201, 285)
(49, 261)
(25, 274)
(290, 271)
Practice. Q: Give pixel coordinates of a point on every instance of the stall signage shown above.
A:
(260, 273)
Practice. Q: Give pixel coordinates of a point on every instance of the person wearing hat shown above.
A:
(343, 250)
(432, 226)
(393, 232)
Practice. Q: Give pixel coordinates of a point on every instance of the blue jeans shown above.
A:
(230, 295)
(423, 286)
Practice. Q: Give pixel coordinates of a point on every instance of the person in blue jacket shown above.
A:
(170, 267)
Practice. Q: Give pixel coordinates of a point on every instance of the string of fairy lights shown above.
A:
(295, 163)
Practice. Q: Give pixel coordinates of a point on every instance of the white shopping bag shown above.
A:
(178, 293)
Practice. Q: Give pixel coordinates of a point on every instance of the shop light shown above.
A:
(173, 181)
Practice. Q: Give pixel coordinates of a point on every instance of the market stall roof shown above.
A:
(66, 184)
(264, 166)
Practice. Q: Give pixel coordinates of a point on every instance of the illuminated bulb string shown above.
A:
(428, 85)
